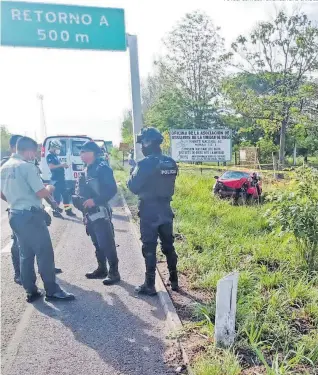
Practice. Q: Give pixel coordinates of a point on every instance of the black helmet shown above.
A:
(149, 135)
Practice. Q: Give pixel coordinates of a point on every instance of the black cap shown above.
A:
(91, 146)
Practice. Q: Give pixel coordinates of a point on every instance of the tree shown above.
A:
(127, 129)
(193, 67)
(283, 53)
(168, 111)
(151, 88)
(295, 212)
(5, 137)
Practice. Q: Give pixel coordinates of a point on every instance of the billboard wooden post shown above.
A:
(124, 147)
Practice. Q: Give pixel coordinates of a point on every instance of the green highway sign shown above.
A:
(62, 26)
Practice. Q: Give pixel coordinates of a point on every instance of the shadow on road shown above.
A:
(122, 340)
(121, 230)
(121, 217)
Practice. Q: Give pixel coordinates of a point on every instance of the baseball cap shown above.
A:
(90, 146)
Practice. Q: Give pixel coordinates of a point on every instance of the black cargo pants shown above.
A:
(102, 234)
(156, 220)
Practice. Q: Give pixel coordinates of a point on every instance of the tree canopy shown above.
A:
(271, 98)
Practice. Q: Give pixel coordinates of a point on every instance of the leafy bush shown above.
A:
(295, 211)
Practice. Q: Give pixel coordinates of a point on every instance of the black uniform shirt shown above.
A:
(107, 184)
(58, 174)
(154, 178)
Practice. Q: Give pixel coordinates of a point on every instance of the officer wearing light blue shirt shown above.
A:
(23, 189)
(15, 247)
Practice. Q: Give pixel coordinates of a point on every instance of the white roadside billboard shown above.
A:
(205, 145)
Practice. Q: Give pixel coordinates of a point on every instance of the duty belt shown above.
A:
(31, 209)
(102, 213)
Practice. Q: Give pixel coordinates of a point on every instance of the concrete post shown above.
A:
(226, 310)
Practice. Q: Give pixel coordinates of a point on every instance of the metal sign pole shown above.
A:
(135, 92)
(43, 123)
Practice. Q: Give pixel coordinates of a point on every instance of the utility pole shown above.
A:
(135, 92)
(42, 117)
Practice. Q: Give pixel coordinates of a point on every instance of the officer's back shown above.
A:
(154, 179)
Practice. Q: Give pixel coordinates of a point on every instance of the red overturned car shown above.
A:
(241, 186)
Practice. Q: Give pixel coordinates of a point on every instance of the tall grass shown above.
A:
(277, 307)
(276, 297)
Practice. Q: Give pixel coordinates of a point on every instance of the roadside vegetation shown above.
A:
(277, 307)
(264, 89)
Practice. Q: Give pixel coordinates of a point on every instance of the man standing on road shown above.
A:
(15, 247)
(153, 180)
(58, 178)
(93, 192)
(23, 189)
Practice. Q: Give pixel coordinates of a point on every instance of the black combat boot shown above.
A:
(113, 275)
(31, 297)
(148, 287)
(70, 213)
(173, 280)
(99, 273)
(58, 214)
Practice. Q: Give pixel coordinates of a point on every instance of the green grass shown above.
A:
(277, 308)
(217, 363)
(121, 176)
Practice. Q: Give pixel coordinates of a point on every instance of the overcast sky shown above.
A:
(87, 92)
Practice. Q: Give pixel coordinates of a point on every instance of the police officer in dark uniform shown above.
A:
(14, 248)
(58, 178)
(95, 188)
(153, 180)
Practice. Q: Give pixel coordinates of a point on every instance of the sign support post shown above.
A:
(135, 92)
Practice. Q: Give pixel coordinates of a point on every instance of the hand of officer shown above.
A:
(65, 165)
(50, 188)
(89, 203)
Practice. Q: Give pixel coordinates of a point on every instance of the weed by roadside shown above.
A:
(277, 312)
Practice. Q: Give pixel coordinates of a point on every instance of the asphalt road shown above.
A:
(106, 330)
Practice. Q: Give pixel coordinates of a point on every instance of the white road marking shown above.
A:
(3, 219)
(7, 248)
(12, 348)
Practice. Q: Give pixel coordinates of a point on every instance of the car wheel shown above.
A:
(254, 201)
